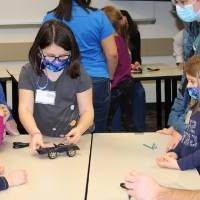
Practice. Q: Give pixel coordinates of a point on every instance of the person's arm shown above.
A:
(177, 115)
(136, 48)
(26, 103)
(110, 50)
(17, 177)
(86, 112)
(191, 161)
(140, 186)
(178, 47)
(177, 194)
(3, 183)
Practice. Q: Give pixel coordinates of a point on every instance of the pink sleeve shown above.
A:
(1, 129)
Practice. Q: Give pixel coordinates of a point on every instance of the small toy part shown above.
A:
(152, 69)
(73, 123)
(122, 185)
(52, 152)
(19, 145)
(153, 147)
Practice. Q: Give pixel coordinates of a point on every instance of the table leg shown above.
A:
(159, 104)
(174, 89)
(168, 100)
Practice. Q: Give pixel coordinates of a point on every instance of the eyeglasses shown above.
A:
(52, 58)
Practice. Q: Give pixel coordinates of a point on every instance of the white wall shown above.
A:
(164, 27)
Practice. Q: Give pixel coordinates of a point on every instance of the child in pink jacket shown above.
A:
(16, 177)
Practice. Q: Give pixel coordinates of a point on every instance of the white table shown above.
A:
(170, 75)
(14, 71)
(164, 71)
(114, 155)
(61, 178)
(4, 74)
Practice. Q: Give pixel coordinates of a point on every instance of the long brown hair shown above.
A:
(116, 18)
(55, 32)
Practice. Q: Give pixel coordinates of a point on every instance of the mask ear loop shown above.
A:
(39, 78)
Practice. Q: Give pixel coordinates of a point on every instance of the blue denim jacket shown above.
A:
(192, 30)
(180, 107)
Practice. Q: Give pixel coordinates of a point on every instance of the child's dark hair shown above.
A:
(132, 26)
(64, 8)
(55, 32)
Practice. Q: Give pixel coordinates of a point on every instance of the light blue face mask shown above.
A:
(187, 14)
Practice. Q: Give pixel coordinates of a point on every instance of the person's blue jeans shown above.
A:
(101, 102)
(3, 101)
(138, 110)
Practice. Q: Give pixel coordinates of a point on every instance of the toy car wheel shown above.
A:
(71, 153)
(52, 155)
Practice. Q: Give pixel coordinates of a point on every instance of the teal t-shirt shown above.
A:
(89, 28)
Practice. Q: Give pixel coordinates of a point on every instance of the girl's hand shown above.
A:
(167, 162)
(174, 140)
(36, 141)
(166, 131)
(135, 66)
(17, 177)
(73, 136)
(4, 112)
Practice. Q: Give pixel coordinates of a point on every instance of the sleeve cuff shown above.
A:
(3, 183)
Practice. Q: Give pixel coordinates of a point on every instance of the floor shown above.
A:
(151, 116)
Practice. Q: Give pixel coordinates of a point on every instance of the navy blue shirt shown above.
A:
(188, 149)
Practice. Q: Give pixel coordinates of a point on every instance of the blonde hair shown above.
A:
(116, 18)
(192, 67)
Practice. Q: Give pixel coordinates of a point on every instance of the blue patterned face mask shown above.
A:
(194, 92)
(187, 14)
(56, 65)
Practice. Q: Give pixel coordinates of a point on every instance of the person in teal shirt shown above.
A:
(94, 34)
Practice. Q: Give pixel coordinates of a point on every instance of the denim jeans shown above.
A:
(101, 102)
(121, 97)
(138, 110)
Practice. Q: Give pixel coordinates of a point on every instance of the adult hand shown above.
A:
(174, 140)
(73, 136)
(141, 187)
(36, 141)
(17, 177)
(167, 161)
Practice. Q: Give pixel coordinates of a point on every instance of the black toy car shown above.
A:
(59, 148)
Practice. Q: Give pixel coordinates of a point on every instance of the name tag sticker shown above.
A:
(45, 97)
(187, 117)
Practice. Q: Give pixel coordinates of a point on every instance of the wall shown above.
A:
(163, 28)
